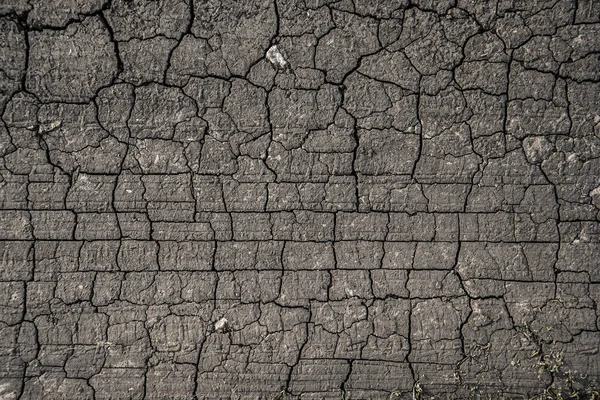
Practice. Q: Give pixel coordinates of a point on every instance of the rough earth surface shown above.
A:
(289, 199)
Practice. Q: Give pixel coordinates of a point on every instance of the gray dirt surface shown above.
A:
(289, 199)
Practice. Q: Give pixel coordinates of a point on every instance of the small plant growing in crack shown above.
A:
(417, 392)
(550, 362)
(566, 384)
(281, 395)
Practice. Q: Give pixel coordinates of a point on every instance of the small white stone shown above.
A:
(276, 58)
(221, 325)
(537, 148)
(46, 128)
(595, 195)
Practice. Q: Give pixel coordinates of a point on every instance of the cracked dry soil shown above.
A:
(288, 199)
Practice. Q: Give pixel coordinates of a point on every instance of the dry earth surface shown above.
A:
(299, 199)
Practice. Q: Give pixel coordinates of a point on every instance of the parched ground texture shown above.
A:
(299, 199)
